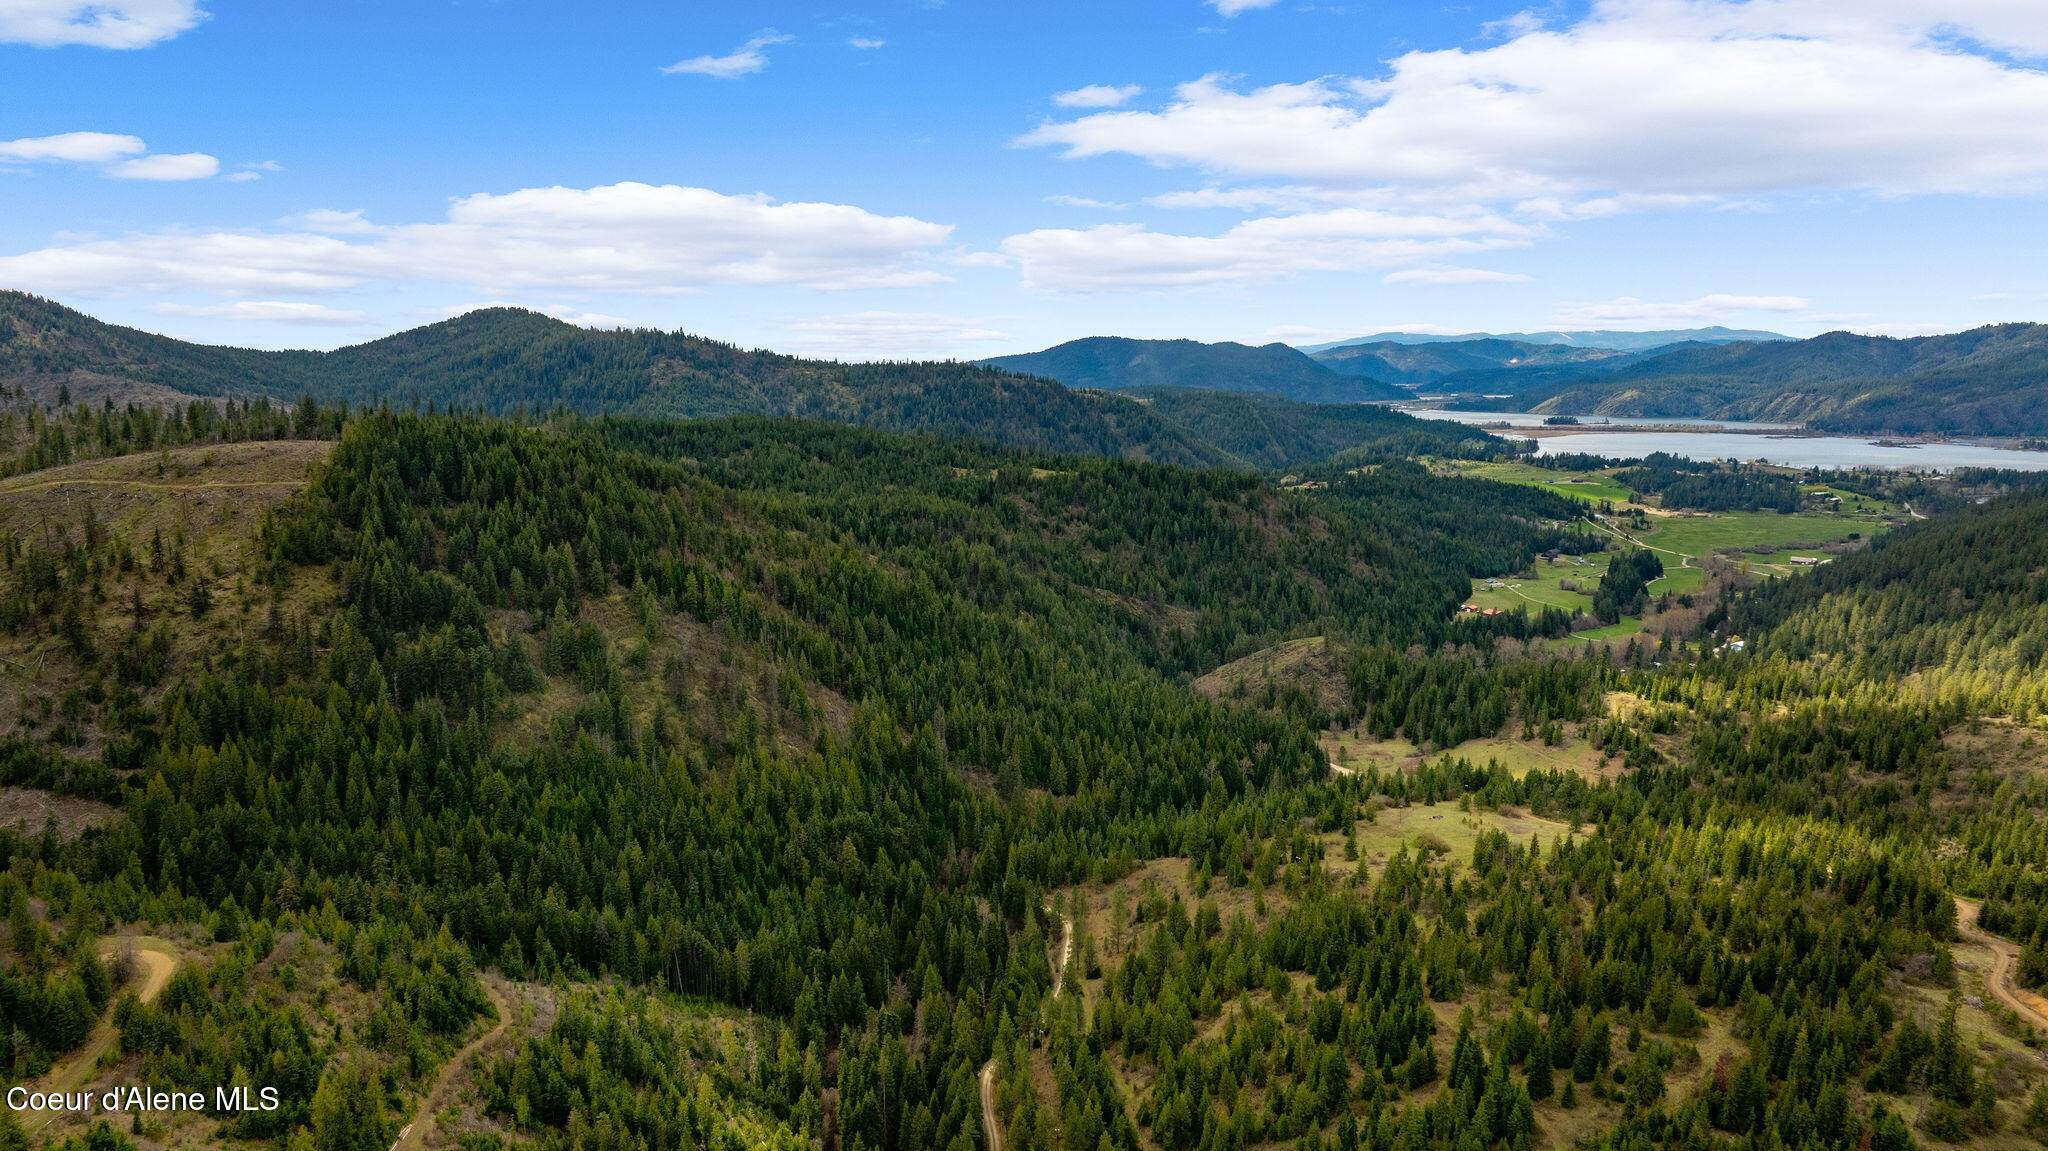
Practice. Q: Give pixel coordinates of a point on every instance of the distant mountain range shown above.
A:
(1116, 363)
(1423, 365)
(1991, 380)
(1169, 401)
(498, 360)
(1613, 341)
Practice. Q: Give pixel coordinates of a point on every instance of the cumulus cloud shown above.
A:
(121, 157)
(1653, 98)
(1445, 276)
(276, 311)
(1228, 8)
(95, 23)
(186, 166)
(1097, 96)
(744, 60)
(1067, 201)
(1638, 105)
(74, 147)
(1716, 306)
(621, 238)
(866, 43)
(889, 335)
(1118, 256)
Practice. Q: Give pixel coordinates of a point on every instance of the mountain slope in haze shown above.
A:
(1115, 363)
(1991, 380)
(500, 359)
(1612, 341)
(1417, 365)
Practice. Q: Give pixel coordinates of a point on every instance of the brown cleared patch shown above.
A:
(29, 810)
(1353, 750)
(1164, 617)
(1310, 664)
(96, 388)
(212, 497)
(672, 668)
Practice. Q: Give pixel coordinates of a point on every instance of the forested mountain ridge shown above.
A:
(1987, 381)
(1961, 600)
(500, 360)
(1616, 341)
(1274, 433)
(1421, 365)
(1116, 362)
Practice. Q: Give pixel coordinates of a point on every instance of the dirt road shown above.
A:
(989, 1129)
(2005, 958)
(158, 960)
(1059, 974)
(992, 1132)
(437, 1098)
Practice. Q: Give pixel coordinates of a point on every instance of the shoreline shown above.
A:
(1800, 432)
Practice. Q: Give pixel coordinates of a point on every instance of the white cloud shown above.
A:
(1716, 306)
(277, 311)
(1097, 96)
(867, 43)
(1119, 256)
(744, 60)
(1447, 275)
(889, 335)
(254, 170)
(625, 238)
(121, 157)
(74, 147)
(1642, 98)
(1066, 201)
(95, 23)
(187, 166)
(1229, 8)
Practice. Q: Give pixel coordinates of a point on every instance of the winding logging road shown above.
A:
(2005, 957)
(991, 1131)
(438, 1096)
(158, 960)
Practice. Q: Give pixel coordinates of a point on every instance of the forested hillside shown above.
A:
(1273, 433)
(1418, 365)
(1116, 362)
(769, 783)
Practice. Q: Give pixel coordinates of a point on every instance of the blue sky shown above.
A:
(958, 179)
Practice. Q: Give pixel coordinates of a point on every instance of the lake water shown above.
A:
(1736, 440)
(1532, 420)
(1795, 451)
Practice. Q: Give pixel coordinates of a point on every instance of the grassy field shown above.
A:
(1356, 751)
(1683, 539)
(1702, 534)
(1592, 487)
(1546, 587)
